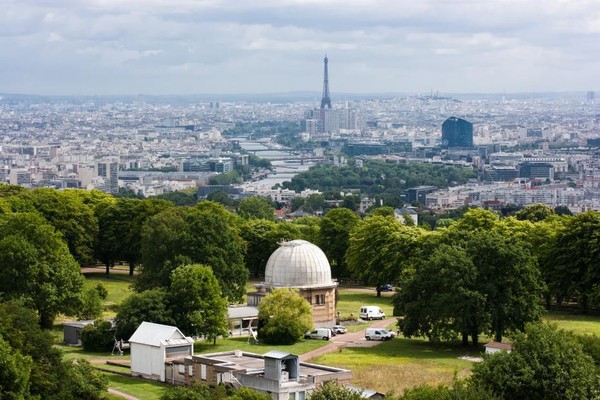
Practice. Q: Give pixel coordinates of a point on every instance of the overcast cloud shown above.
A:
(245, 46)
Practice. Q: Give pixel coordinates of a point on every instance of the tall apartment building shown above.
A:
(456, 132)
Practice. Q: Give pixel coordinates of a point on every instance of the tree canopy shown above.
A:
(377, 176)
(334, 235)
(545, 363)
(284, 316)
(197, 303)
(35, 264)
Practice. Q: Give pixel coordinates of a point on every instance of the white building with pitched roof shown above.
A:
(152, 345)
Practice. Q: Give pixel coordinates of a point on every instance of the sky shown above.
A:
(172, 47)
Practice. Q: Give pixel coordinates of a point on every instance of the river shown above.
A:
(285, 165)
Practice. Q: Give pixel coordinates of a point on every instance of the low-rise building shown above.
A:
(280, 374)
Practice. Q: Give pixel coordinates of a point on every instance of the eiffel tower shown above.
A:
(325, 100)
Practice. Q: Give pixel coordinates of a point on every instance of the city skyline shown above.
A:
(158, 47)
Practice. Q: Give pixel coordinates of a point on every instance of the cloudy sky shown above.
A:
(246, 46)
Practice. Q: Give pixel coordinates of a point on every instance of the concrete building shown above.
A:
(153, 346)
(282, 375)
(301, 265)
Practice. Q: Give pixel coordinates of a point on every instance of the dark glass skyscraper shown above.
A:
(457, 132)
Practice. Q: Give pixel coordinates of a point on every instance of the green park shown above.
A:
(529, 279)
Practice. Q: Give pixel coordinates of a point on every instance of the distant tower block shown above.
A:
(325, 100)
(591, 95)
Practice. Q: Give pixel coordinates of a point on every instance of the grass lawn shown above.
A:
(350, 301)
(578, 323)
(72, 352)
(135, 387)
(117, 285)
(241, 343)
(402, 363)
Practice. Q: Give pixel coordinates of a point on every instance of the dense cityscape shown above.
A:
(299, 200)
(525, 149)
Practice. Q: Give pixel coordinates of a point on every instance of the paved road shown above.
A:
(348, 339)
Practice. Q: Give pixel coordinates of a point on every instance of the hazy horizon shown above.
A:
(225, 47)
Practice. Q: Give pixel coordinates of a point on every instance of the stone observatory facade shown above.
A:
(301, 265)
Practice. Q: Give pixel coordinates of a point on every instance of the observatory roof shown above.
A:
(298, 264)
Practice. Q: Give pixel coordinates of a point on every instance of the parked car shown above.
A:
(378, 334)
(371, 312)
(339, 329)
(387, 287)
(320, 333)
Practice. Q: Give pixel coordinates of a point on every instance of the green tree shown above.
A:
(509, 280)
(440, 298)
(535, 212)
(120, 229)
(575, 256)
(545, 363)
(384, 211)
(284, 316)
(314, 202)
(379, 248)
(50, 378)
(91, 305)
(36, 264)
(333, 391)
(256, 208)
(262, 238)
(220, 197)
(150, 305)
(197, 303)
(460, 390)
(15, 370)
(308, 227)
(83, 381)
(71, 216)
(245, 393)
(195, 391)
(97, 336)
(206, 234)
(334, 234)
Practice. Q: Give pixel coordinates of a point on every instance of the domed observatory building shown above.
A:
(301, 265)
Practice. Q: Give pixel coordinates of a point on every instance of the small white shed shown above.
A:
(154, 344)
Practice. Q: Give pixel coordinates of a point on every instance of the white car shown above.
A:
(320, 333)
(379, 334)
(339, 329)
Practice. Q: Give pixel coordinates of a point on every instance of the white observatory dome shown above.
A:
(298, 264)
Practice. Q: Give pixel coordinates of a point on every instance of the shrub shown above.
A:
(98, 336)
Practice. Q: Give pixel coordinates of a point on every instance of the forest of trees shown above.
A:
(377, 177)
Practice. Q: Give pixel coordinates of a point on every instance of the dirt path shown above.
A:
(121, 394)
(102, 269)
(355, 339)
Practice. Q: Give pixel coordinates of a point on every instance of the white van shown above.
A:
(371, 312)
(379, 334)
(319, 333)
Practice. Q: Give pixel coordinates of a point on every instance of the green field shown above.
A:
(402, 363)
(142, 389)
(350, 301)
(117, 285)
(389, 366)
(578, 323)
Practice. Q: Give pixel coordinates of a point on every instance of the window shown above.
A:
(292, 396)
(190, 370)
(203, 372)
(320, 299)
(181, 369)
(301, 395)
